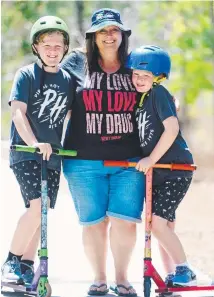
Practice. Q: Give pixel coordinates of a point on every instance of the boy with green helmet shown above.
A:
(40, 99)
(48, 24)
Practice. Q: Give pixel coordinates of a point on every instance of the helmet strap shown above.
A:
(42, 80)
(142, 98)
(158, 80)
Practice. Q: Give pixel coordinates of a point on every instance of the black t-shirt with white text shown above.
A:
(45, 112)
(102, 125)
(158, 106)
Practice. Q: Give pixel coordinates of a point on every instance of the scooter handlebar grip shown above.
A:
(62, 152)
(30, 149)
(116, 163)
(24, 148)
(188, 167)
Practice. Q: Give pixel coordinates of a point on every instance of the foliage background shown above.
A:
(184, 28)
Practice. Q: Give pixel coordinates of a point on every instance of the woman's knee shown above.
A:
(120, 224)
(99, 227)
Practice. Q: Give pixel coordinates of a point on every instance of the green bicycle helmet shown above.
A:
(43, 25)
(46, 24)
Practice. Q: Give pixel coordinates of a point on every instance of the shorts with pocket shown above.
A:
(99, 191)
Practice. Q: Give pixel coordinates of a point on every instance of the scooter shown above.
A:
(150, 272)
(40, 285)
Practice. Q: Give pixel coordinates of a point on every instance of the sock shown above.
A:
(11, 255)
(183, 264)
(26, 267)
(171, 273)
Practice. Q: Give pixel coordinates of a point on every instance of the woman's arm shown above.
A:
(177, 103)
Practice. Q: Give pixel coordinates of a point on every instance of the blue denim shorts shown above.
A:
(99, 191)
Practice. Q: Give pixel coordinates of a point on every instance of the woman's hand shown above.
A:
(144, 164)
(177, 103)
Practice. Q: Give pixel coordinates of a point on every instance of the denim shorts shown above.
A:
(99, 191)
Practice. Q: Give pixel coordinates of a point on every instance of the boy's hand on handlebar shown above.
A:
(45, 149)
(144, 164)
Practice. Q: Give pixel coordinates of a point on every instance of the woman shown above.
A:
(102, 127)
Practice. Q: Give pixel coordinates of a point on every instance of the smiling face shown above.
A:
(108, 38)
(142, 80)
(51, 48)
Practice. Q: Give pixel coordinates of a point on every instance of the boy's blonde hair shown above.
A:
(41, 36)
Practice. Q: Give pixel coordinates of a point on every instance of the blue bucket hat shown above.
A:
(106, 17)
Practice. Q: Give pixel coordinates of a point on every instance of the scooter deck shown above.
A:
(188, 291)
(17, 288)
(186, 294)
(74, 289)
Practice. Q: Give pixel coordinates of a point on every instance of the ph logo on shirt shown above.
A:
(51, 107)
(144, 126)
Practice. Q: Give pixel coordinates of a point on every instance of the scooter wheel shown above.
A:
(49, 290)
(47, 293)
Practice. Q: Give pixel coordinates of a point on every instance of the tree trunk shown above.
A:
(80, 12)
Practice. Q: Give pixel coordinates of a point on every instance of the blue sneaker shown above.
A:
(168, 280)
(184, 276)
(26, 277)
(11, 270)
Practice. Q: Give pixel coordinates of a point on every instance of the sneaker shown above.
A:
(11, 270)
(184, 276)
(28, 275)
(168, 280)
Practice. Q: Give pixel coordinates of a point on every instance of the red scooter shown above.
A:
(150, 271)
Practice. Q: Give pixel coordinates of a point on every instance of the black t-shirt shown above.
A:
(102, 125)
(45, 112)
(157, 107)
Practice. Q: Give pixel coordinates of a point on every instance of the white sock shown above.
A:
(183, 264)
(170, 273)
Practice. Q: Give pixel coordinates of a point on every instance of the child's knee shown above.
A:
(35, 208)
(158, 224)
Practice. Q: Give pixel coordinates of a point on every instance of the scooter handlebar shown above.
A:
(190, 167)
(31, 149)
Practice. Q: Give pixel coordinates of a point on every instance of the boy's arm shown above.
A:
(171, 129)
(24, 129)
(21, 122)
(167, 114)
